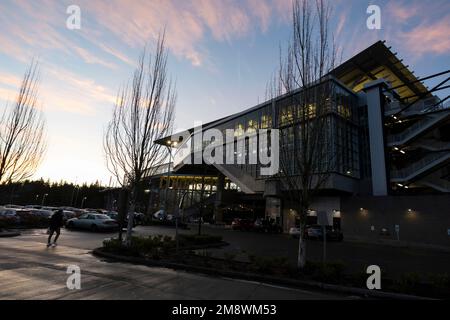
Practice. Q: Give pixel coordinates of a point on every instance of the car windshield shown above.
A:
(102, 216)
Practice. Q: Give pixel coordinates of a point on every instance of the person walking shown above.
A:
(56, 222)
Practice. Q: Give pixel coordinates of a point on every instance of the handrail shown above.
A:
(430, 158)
(416, 126)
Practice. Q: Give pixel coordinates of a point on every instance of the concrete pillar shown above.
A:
(375, 113)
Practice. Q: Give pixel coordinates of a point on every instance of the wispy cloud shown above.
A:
(187, 23)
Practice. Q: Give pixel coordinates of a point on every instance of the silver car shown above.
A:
(93, 221)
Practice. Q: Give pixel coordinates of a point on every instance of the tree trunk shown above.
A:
(301, 258)
(131, 214)
(122, 210)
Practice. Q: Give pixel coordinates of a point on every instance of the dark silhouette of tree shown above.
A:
(58, 194)
(305, 148)
(22, 132)
(143, 114)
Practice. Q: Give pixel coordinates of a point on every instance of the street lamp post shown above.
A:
(82, 202)
(170, 144)
(43, 198)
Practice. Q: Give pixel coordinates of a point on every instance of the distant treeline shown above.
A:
(53, 194)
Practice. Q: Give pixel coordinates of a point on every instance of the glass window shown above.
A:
(239, 130)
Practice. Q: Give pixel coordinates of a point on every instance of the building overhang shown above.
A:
(379, 62)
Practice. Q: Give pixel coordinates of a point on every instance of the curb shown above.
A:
(394, 244)
(265, 279)
(6, 234)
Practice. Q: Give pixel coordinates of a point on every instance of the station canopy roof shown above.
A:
(375, 62)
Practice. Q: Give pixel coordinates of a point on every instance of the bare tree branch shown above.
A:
(143, 113)
(22, 132)
(306, 139)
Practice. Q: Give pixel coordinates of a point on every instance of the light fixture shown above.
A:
(395, 148)
(400, 185)
(401, 151)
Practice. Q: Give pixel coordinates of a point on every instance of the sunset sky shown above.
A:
(222, 53)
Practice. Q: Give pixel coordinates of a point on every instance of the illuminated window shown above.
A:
(311, 110)
(266, 121)
(287, 116)
(239, 130)
(252, 126)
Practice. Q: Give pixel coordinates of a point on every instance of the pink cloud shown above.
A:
(428, 38)
(402, 11)
(187, 23)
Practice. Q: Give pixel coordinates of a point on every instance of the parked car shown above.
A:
(13, 206)
(41, 212)
(266, 225)
(67, 215)
(315, 232)
(93, 221)
(242, 224)
(294, 232)
(160, 215)
(139, 218)
(115, 216)
(9, 216)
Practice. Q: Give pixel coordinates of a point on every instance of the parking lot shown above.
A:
(394, 261)
(30, 270)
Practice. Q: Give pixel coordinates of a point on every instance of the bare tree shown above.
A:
(142, 114)
(22, 132)
(306, 140)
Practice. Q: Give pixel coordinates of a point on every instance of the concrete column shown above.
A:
(375, 112)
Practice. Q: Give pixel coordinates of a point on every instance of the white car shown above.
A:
(160, 215)
(93, 221)
(294, 232)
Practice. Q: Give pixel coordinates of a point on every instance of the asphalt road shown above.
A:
(394, 261)
(30, 270)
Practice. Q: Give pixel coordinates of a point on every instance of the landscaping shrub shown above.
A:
(409, 282)
(269, 265)
(440, 280)
(331, 272)
(229, 256)
(154, 247)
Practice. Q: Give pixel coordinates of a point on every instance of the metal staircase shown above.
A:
(432, 145)
(437, 181)
(428, 121)
(420, 167)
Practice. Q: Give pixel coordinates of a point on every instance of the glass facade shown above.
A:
(340, 129)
